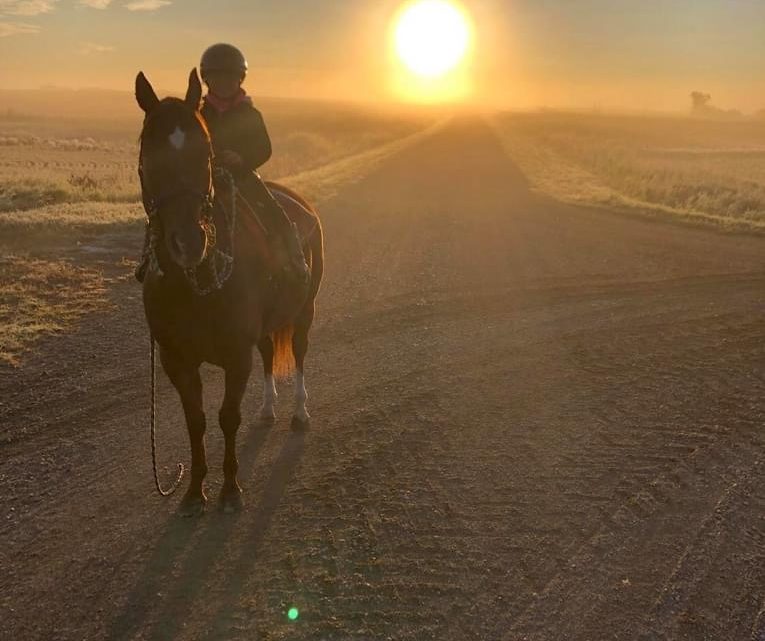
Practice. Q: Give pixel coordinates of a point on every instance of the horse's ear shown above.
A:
(194, 92)
(144, 93)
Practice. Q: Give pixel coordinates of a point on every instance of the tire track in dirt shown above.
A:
(725, 545)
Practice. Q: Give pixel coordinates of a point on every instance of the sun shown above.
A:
(432, 37)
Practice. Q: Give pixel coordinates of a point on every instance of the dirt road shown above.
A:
(531, 421)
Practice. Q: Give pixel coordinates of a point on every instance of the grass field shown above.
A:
(68, 186)
(699, 170)
(46, 162)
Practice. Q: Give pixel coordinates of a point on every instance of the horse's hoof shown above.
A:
(299, 424)
(192, 505)
(231, 501)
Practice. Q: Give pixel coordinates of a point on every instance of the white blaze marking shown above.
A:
(178, 138)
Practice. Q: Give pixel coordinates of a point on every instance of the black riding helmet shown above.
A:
(223, 57)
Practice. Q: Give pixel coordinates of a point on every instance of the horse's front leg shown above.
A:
(237, 375)
(185, 378)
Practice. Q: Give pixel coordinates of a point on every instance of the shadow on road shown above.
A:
(174, 581)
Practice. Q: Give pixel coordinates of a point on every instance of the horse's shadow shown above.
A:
(177, 573)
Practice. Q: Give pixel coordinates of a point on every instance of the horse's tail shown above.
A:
(284, 359)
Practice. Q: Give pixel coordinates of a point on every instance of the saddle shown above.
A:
(298, 211)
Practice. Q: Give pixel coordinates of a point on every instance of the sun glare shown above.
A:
(431, 37)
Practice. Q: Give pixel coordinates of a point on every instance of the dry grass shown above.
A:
(41, 297)
(317, 184)
(701, 171)
(44, 163)
(57, 218)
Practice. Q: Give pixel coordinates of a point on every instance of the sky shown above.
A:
(606, 54)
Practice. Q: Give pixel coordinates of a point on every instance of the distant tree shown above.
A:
(702, 106)
(701, 101)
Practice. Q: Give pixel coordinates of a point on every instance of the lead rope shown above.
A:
(181, 469)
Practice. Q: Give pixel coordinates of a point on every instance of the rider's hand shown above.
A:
(230, 158)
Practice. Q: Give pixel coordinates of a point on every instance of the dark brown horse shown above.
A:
(213, 288)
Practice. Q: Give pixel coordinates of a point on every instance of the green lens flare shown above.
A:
(293, 614)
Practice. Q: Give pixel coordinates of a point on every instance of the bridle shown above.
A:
(218, 263)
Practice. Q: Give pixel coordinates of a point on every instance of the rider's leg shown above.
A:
(277, 220)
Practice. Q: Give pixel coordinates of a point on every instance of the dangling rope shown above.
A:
(181, 469)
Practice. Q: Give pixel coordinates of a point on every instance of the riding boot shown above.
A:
(287, 232)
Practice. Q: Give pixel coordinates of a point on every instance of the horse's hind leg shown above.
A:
(230, 416)
(300, 349)
(187, 381)
(266, 349)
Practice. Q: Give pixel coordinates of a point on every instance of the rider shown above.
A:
(241, 144)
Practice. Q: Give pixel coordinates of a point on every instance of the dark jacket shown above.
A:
(240, 129)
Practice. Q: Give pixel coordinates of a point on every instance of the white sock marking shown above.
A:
(301, 396)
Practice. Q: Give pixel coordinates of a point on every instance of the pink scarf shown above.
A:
(222, 105)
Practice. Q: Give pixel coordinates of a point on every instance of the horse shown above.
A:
(213, 288)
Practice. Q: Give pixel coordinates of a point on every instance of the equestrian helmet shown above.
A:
(223, 57)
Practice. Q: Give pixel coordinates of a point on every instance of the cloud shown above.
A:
(17, 28)
(88, 48)
(95, 4)
(26, 7)
(146, 5)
